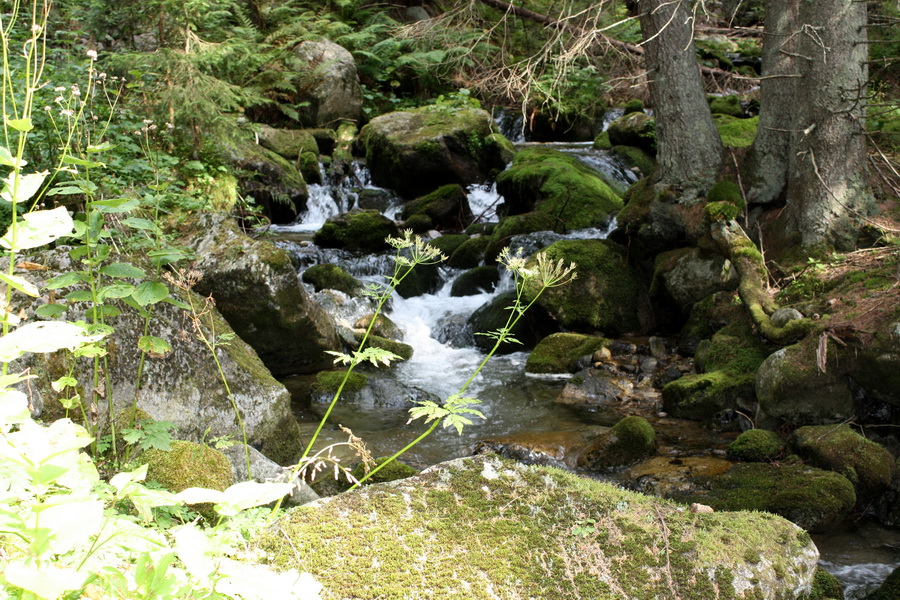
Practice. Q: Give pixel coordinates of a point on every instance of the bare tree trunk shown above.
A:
(689, 151)
(826, 181)
(778, 88)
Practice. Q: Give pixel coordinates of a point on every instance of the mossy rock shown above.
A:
(632, 106)
(470, 253)
(328, 276)
(826, 586)
(562, 353)
(357, 230)
(447, 207)
(636, 157)
(395, 470)
(309, 168)
(726, 191)
(404, 351)
(756, 445)
(812, 498)
(630, 440)
(685, 276)
(604, 296)
(721, 211)
(476, 281)
(417, 151)
(274, 182)
(555, 184)
(634, 129)
(383, 326)
(483, 528)
(601, 142)
(328, 382)
(736, 133)
(186, 465)
(420, 224)
(726, 105)
(424, 279)
(288, 143)
(448, 243)
(494, 314)
(889, 589)
(517, 225)
(869, 466)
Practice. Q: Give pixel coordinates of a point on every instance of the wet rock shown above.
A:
(331, 84)
(668, 477)
(273, 181)
(256, 289)
(756, 445)
(476, 281)
(332, 277)
(868, 466)
(555, 448)
(688, 275)
(504, 529)
(493, 315)
(889, 588)
(416, 152)
(594, 387)
(562, 353)
(288, 143)
(446, 208)
(604, 297)
(370, 391)
(556, 185)
(649, 365)
(658, 347)
(634, 129)
(357, 230)
(630, 440)
(783, 316)
(812, 498)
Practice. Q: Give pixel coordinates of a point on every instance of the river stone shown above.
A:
(634, 129)
(868, 466)
(447, 208)
(630, 440)
(476, 281)
(288, 143)
(783, 316)
(549, 448)
(274, 182)
(256, 288)
(791, 389)
(562, 353)
(417, 151)
(330, 84)
(265, 470)
(595, 387)
(494, 315)
(877, 367)
(688, 275)
(484, 528)
(183, 387)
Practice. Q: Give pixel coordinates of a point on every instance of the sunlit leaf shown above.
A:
(45, 581)
(21, 284)
(154, 345)
(38, 228)
(150, 292)
(23, 125)
(43, 336)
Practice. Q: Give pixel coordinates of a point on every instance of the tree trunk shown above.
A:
(826, 180)
(777, 91)
(689, 150)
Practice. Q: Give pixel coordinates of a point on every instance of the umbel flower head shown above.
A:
(547, 272)
(420, 252)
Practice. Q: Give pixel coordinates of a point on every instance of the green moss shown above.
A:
(330, 381)
(404, 351)
(362, 230)
(721, 211)
(889, 589)
(812, 498)
(601, 142)
(630, 440)
(636, 157)
(332, 277)
(419, 223)
(447, 207)
(736, 133)
(517, 225)
(448, 243)
(756, 445)
(634, 129)
(637, 203)
(476, 281)
(470, 253)
(726, 105)
(826, 586)
(552, 183)
(561, 352)
(188, 465)
(394, 471)
(726, 191)
(632, 106)
(308, 163)
(869, 466)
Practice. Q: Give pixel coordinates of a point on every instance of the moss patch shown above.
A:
(188, 465)
(361, 230)
(394, 471)
(756, 445)
(561, 352)
(404, 351)
(332, 277)
(330, 381)
(736, 133)
(482, 528)
(630, 440)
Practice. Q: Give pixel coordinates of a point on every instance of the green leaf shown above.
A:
(79, 296)
(154, 345)
(43, 336)
(116, 290)
(100, 313)
(65, 280)
(23, 125)
(21, 284)
(50, 311)
(45, 581)
(178, 303)
(120, 269)
(142, 224)
(102, 147)
(89, 164)
(37, 229)
(7, 159)
(115, 205)
(150, 292)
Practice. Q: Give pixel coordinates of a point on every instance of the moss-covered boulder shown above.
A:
(329, 276)
(273, 181)
(687, 275)
(308, 163)
(470, 253)
(417, 151)
(562, 353)
(328, 85)
(889, 588)
(357, 231)
(726, 105)
(634, 129)
(736, 133)
(187, 464)
(558, 186)
(482, 528)
(447, 208)
(868, 466)
(643, 160)
(494, 315)
(288, 143)
(756, 445)
(826, 586)
(404, 351)
(791, 389)
(877, 364)
(448, 243)
(630, 440)
(604, 297)
(812, 498)
(476, 281)
(256, 289)
(392, 472)
(424, 279)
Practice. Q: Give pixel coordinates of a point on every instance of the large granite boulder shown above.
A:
(330, 84)
(556, 185)
(417, 151)
(183, 386)
(485, 528)
(257, 289)
(635, 129)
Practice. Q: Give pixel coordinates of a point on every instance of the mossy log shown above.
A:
(751, 268)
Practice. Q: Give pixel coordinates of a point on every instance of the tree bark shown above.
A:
(826, 180)
(689, 150)
(777, 91)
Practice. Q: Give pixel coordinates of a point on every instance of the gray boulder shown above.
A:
(264, 470)
(330, 83)
(688, 275)
(258, 291)
(499, 529)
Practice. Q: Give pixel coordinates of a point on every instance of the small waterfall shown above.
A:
(511, 124)
(483, 200)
